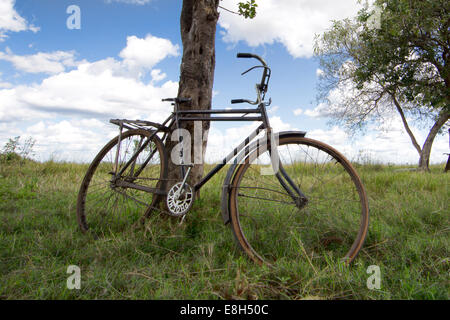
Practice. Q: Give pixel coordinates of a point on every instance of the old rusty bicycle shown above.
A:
(283, 193)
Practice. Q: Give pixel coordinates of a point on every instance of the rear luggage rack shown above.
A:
(138, 124)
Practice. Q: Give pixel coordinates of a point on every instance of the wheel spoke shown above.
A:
(104, 207)
(269, 226)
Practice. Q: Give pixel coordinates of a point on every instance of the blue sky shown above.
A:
(61, 86)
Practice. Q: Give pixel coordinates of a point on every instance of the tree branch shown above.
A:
(228, 10)
(405, 124)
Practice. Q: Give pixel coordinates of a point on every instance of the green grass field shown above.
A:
(39, 238)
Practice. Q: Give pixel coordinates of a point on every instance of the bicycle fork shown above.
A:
(300, 199)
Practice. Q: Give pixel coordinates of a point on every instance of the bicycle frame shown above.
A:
(178, 116)
(182, 116)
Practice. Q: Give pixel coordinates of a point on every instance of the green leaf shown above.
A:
(248, 9)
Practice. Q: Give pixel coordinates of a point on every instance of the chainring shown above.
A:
(179, 201)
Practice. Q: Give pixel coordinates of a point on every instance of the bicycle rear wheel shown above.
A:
(103, 206)
(270, 227)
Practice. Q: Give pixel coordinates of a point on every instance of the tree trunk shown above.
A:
(447, 166)
(198, 30)
(424, 160)
(425, 151)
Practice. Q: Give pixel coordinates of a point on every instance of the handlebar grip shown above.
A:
(245, 55)
(234, 101)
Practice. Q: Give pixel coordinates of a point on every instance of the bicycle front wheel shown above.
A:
(271, 227)
(103, 205)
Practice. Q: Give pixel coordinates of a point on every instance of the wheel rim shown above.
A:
(271, 228)
(104, 207)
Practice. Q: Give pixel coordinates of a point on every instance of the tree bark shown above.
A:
(447, 166)
(424, 160)
(198, 31)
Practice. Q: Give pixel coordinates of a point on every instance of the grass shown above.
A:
(39, 238)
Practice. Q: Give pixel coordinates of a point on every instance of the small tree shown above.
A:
(13, 150)
(400, 66)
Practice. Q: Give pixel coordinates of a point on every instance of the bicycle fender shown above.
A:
(224, 202)
(225, 199)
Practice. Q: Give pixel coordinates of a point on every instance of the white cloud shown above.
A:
(68, 140)
(139, 56)
(157, 75)
(298, 112)
(393, 146)
(105, 88)
(76, 104)
(42, 62)
(4, 85)
(89, 90)
(11, 21)
(321, 111)
(335, 137)
(146, 53)
(292, 23)
(273, 109)
(319, 73)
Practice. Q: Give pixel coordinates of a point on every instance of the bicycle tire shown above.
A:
(268, 235)
(120, 205)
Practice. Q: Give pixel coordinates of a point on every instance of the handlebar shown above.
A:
(234, 101)
(251, 55)
(264, 84)
(244, 55)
